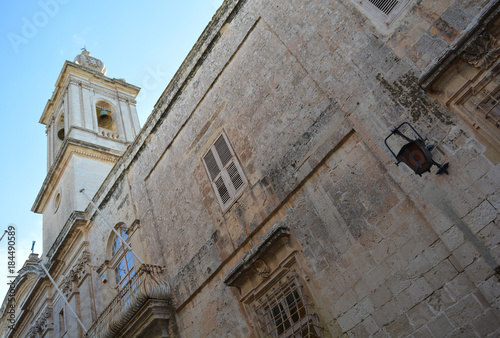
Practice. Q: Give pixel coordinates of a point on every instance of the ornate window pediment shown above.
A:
(42, 324)
(466, 79)
(274, 288)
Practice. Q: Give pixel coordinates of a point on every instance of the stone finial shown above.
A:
(84, 59)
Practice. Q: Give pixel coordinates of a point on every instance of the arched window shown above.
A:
(60, 127)
(123, 259)
(106, 118)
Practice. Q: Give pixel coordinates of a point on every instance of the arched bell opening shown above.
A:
(61, 134)
(105, 115)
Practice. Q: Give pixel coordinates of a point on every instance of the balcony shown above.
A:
(141, 308)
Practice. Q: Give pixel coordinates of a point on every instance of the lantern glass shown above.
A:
(415, 155)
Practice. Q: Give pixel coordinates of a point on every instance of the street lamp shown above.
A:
(415, 154)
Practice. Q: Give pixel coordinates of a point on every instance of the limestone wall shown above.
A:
(306, 92)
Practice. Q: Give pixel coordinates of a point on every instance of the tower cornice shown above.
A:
(74, 73)
(71, 147)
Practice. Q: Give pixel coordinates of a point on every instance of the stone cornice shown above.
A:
(271, 237)
(181, 78)
(69, 148)
(456, 49)
(69, 226)
(63, 79)
(22, 274)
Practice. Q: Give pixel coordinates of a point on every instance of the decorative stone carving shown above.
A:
(80, 268)
(75, 274)
(276, 237)
(147, 285)
(84, 59)
(42, 324)
(262, 269)
(33, 332)
(67, 286)
(483, 51)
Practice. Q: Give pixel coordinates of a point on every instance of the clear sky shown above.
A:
(142, 42)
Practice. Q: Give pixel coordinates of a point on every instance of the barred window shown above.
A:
(275, 290)
(478, 103)
(487, 103)
(284, 311)
(224, 172)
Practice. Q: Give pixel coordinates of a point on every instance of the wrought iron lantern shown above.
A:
(415, 154)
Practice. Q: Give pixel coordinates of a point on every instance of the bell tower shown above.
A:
(90, 121)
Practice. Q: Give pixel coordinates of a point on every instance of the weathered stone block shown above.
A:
(400, 327)
(464, 310)
(356, 314)
(453, 238)
(441, 274)
(465, 254)
(381, 296)
(486, 323)
(481, 216)
(459, 286)
(490, 288)
(440, 326)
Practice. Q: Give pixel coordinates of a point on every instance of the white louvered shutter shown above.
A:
(386, 6)
(224, 171)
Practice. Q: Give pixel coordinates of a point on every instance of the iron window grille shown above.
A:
(488, 104)
(284, 311)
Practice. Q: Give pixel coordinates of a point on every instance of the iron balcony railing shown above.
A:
(147, 283)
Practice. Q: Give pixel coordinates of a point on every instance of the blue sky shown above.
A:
(142, 42)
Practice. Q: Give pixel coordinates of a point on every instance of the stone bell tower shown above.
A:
(90, 121)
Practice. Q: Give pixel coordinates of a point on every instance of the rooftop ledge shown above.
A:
(68, 149)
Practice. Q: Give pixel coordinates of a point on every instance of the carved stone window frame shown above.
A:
(43, 325)
(464, 76)
(470, 102)
(273, 264)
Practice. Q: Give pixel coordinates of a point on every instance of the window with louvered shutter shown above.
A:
(224, 171)
(384, 10)
(385, 6)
